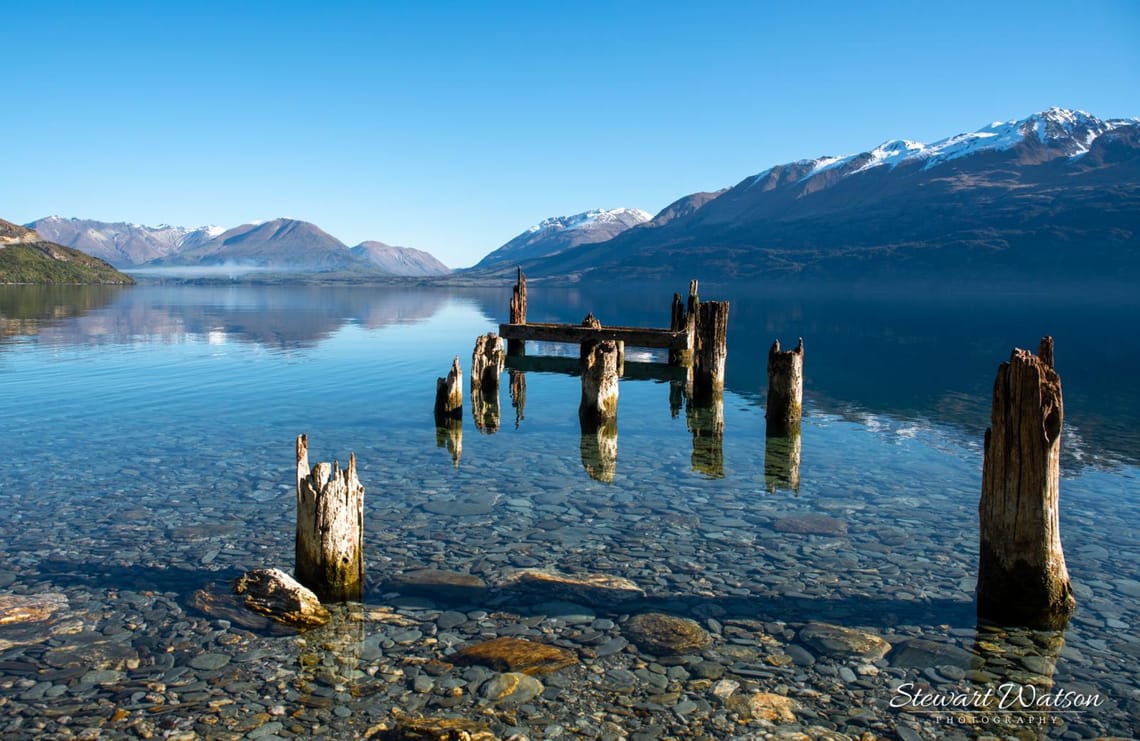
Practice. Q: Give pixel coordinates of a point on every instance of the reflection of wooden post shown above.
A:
(518, 313)
(599, 385)
(449, 434)
(712, 350)
(785, 389)
(487, 362)
(1022, 577)
(706, 423)
(782, 462)
(518, 395)
(599, 450)
(330, 528)
(449, 395)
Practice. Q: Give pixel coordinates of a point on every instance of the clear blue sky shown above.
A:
(452, 127)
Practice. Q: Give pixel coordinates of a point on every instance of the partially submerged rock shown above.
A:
(30, 608)
(764, 706)
(437, 583)
(666, 635)
(275, 594)
(515, 655)
(586, 588)
(836, 640)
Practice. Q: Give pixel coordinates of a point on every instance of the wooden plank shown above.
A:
(631, 336)
(633, 371)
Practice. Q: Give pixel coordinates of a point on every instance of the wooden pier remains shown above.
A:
(680, 338)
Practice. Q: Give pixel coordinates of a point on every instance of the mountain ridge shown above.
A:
(25, 257)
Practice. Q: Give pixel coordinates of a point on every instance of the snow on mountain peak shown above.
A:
(586, 219)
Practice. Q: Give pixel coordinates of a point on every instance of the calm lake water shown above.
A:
(149, 459)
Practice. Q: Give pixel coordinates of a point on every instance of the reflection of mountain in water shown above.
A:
(280, 318)
(917, 357)
(26, 310)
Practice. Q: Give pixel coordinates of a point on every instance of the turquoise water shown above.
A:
(149, 452)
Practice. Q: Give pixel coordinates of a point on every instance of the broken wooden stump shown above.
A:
(683, 317)
(706, 423)
(449, 435)
(711, 350)
(485, 410)
(785, 390)
(330, 528)
(518, 313)
(1022, 577)
(782, 462)
(449, 395)
(599, 385)
(487, 362)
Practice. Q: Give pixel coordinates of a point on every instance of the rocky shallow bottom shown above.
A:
(671, 607)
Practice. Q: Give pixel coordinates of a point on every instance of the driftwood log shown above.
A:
(785, 390)
(449, 395)
(330, 528)
(711, 351)
(1022, 577)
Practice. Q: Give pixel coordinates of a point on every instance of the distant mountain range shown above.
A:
(26, 257)
(287, 245)
(1056, 194)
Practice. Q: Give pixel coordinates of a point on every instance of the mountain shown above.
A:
(280, 244)
(122, 245)
(25, 257)
(1056, 194)
(399, 260)
(558, 234)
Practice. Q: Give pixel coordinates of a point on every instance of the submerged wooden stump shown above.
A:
(487, 362)
(518, 313)
(1022, 577)
(449, 435)
(712, 350)
(599, 385)
(785, 390)
(449, 395)
(598, 448)
(330, 528)
(782, 462)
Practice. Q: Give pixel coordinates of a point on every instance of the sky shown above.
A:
(453, 126)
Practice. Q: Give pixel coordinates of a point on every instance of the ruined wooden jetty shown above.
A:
(680, 338)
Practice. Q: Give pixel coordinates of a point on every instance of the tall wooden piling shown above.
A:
(599, 385)
(1022, 577)
(449, 394)
(711, 351)
(785, 390)
(330, 528)
(518, 313)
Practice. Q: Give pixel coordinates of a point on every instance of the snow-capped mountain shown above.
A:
(121, 244)
(559, 233)
(1054, 194)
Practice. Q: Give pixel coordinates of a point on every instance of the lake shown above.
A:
(150, 459)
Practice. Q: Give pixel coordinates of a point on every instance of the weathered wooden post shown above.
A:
(785, 390)
(487, 362)
(330, 528)
(677, 324)
(449, 395)
(782, 462)
(1022, 577)
(518, 395)
(682, 318)
(599, 402)
(706, 423)
(518, 313)
(712, 350)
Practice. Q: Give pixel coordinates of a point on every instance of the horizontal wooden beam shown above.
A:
(632, 370)
(631, 336)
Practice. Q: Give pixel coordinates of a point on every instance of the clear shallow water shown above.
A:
(150, 452)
